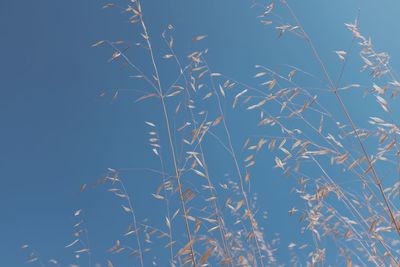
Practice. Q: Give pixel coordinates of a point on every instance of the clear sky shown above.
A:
(56, 134)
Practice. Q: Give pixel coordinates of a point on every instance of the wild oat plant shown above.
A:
(345, 171)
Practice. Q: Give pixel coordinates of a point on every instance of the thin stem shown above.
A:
(165, 112)
(253, 223)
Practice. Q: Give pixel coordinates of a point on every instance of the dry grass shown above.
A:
(308, 141)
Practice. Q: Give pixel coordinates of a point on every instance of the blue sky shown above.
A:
(56, 134)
